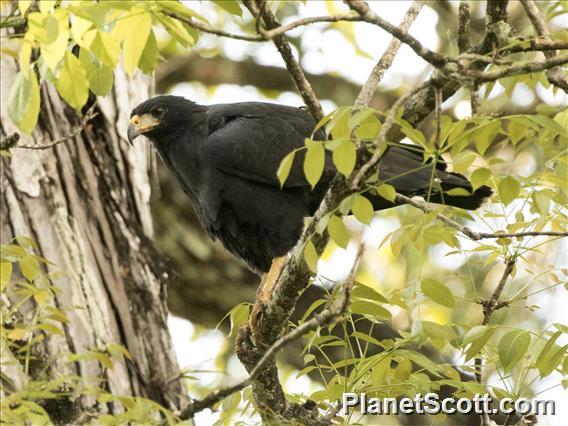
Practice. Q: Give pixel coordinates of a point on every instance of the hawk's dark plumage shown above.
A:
(226, 157)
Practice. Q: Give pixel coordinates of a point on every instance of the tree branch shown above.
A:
(368, 15)
(327, 317)
(555, 76)
(464, 23)
(266, 19)
(475, 236)
(490, 306)
(385, 62)
(524, 68)
(265, 35)
(534, 45)
(89, 115)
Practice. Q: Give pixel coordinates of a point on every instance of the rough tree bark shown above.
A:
(86, 204)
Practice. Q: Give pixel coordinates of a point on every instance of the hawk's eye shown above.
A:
(157, 113)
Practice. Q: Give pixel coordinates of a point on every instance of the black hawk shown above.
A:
(226, 156)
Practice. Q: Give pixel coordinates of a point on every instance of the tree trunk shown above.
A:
(86, 204)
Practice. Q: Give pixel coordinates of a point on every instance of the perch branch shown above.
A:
(330, 316)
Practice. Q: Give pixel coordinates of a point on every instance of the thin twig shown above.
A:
(534, 45)
(89, 115)
(490, 306)
(368, 15)
(555, 76)
(267, 22)
(329, 316)
(266, 35)
(200, 26)
(476, 236)
(386, 60)
(524, 68)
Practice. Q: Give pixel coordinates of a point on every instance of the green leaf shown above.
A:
(517, 129)
(23, 103)
(344, 157)
(58, 315)
(238, 316)
(176, 29)
(118, 351)
(103, 45)
(370, 308)
(134, 30)
(104, 359)
(420, 360)
(359, 116)
(338, 125)
(550, 356)
(363, 291)
(46, 5)
(437, 331)
(478, 336)
(230, 6)
(369, 128)
(314, 162)
(549, 124)
(285, 167)
(100, 76)
(438, 292)
(541, 201)
(512, 347)
(29, 266)
(338, 232)
(480, 177)
(180, 10)
(5, 274)
(54, 51)
(73, 85)
(484, 135)
(79, 28)
(362, 209)
(24, 5)
(311, 256)
(387, 192)
(13, 251)
(509, 189)
(413, 134)
(42, 28)
(147, 62)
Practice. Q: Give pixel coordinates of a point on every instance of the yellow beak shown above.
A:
(140, 124)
